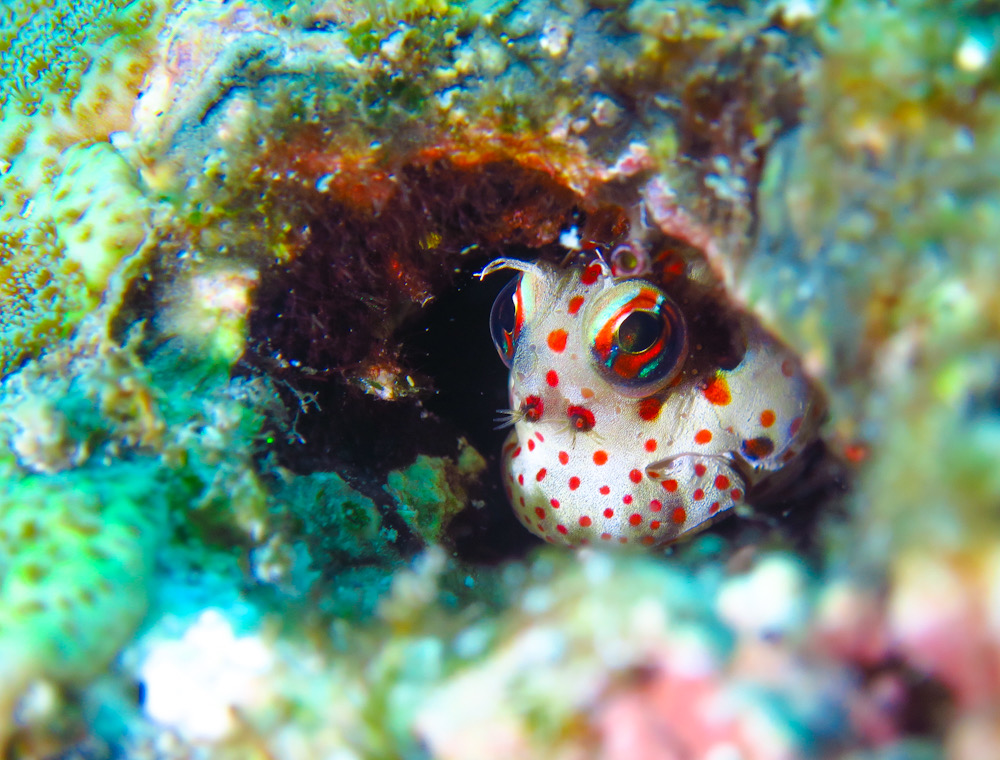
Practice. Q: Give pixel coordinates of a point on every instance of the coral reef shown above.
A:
(76, 557)
(250, 496)
(70, 207)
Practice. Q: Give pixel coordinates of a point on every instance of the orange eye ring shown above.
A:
(637, 337)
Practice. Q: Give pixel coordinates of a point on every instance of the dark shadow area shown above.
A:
(377, 333)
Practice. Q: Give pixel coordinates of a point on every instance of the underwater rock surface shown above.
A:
(250, 492)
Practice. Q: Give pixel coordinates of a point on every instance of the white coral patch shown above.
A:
(768, 600)
(197, 684)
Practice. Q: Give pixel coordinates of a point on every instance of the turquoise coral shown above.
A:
(76, 559)
(432, 490)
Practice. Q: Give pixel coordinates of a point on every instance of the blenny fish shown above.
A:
(641, 410)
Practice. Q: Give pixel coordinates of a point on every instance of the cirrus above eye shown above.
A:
(637, 337)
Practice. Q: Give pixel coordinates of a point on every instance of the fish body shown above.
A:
(637, 416)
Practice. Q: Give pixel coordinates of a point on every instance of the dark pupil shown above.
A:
(639, 331)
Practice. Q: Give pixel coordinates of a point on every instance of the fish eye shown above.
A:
(629, 261)
(506, 320)
(637, 337)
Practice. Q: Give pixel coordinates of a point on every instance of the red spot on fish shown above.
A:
(678, 515)
(635, 476)
(563, 457)
(580, 418)
(670, 485)
(552, 378)
(634, 519)
(574, 304)
(600, 457)
(574, 483)
(590, 274)
(655, 505)
(675, 268)
(722, 482)
(585, 522)
(717, 391)
(557, 340)
(703, 436)
(540, 475)
(649, 408)
(855, 453)
(767, 418)
(532, 408)
(650, 445)
(757, 448)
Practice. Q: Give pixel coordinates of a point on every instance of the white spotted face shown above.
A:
(619, 435)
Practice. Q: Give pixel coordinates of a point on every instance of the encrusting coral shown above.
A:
(76, 557)
(70, 207)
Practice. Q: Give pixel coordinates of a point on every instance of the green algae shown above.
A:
(432, 490)
(342, 527)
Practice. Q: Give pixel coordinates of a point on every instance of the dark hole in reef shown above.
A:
(362, 273)
(393, 291)
(450, 342)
